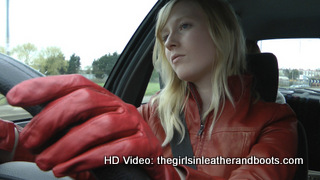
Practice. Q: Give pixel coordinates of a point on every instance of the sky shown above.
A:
(88, 28)
(294, 53)
(93, 28)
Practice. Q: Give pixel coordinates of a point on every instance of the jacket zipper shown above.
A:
(201, 129)
(199, 108)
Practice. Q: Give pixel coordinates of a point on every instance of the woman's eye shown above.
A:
(164, 38)
(184, 26)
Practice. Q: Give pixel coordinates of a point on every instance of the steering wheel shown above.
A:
(13, 72)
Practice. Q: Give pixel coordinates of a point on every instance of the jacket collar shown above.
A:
(239, 86)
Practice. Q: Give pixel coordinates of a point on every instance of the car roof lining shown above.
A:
(271, 19)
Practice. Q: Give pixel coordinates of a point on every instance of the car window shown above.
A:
(299, 67)
(10, 113)
(153, 87)
(66, 37)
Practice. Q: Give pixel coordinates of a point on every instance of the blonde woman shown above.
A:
(199, 52)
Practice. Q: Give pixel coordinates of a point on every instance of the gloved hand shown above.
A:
(10, 149)
(106, 126)
(7, 135)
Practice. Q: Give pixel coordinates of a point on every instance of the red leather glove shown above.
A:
(7, 135)
(10, 148)
(106, 126)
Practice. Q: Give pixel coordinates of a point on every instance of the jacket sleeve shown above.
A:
(147, 111)
(278, 139)
(277, 142)
(9, 144)
(144, 111)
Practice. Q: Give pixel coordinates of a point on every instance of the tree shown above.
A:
(2, 50)
(98, 68)
(88, 69)
(74, 64)
(51, 61)
(25, 53)
(292, 74)
(104, 65)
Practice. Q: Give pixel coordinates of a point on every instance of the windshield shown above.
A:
(87, 30)
(67, 37)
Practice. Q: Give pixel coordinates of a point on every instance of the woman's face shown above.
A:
(188, 45)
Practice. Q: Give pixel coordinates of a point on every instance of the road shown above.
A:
(8, 112)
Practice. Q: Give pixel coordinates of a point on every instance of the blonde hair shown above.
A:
(228, 38)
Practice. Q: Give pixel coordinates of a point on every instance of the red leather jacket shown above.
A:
(250, 129)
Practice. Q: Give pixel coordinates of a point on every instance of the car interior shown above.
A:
(261, 20)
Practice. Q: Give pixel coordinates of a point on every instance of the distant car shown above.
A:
(299, 86)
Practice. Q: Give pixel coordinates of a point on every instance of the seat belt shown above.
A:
(184, 149)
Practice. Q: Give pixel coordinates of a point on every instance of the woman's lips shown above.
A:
(176, 58)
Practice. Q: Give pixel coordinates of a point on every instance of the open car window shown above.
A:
(299, 68)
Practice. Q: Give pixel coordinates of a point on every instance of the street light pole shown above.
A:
(7, 36)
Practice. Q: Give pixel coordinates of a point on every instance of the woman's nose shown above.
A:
(171, 41)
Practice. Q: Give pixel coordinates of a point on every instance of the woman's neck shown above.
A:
(205, 92)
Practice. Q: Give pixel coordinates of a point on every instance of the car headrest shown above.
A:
(264, 68)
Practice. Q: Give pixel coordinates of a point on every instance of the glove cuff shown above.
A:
(7, 135)
(9, 138)
(21, 153)
(10, 148)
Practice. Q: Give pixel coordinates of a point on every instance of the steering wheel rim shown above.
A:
(13, 72)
